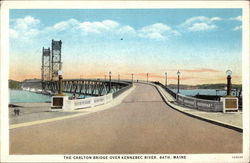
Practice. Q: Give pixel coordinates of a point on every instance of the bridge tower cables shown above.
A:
(45, 75)
(56, 63)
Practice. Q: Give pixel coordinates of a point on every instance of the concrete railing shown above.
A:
(120, 91)
(200, 104)
(63, 103)
(69, 105)
(194, 103)
(172, 93)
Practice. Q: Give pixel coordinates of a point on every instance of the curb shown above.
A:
(199, 117)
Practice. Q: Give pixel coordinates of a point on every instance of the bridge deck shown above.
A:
(142, 123)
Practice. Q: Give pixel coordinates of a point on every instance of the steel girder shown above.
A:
(84, 87)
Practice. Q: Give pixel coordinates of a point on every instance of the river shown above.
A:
(193, 92)
(21, 96)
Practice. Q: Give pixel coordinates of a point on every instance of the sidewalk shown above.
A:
(229, 120)
(38, 113)
(33, 112)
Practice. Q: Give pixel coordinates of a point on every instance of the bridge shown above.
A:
(97, 87)
(91, 87)
(141, 123)
(52, 68)
(138, 120)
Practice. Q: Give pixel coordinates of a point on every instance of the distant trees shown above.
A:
(14, 84)
(205, 86)
(218, 86)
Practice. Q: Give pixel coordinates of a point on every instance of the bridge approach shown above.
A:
(142, 123)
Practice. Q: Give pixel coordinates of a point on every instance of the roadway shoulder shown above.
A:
(198, 114)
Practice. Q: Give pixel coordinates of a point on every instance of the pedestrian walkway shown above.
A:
(33, 112)
(231, 120)
(38, 113)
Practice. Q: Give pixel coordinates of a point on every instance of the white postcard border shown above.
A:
(6, 5)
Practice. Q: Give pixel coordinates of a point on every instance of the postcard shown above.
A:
(125, 81)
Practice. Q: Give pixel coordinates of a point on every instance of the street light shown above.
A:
(132, 78)
(178, 86)
(109, 81)
(147, 77)
(60, 83)
(166, 79)
(118, 85)
(229, 84)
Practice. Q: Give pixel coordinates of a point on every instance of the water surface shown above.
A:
(20, 96)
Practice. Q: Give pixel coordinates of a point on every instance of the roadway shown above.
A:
(142, 123)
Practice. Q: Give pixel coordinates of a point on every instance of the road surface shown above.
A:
(141, 124)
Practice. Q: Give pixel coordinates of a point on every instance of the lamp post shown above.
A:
(147, 77)
(178, 85)
(132, 78)
(60, 83)
(229, 84)
(109, 81)
(118, 86)
(166, 79)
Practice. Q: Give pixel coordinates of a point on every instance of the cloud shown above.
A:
(86, 27)
(182, 78)
(126, 30)
(26, 23)
(99, 27)
(202, 19)
(237, 18)
(237, 28)
(200, 70)
(157, 31)
(63, 25)
(13, 33)
(28, 28)
(24, 28)
(159, 76)
(215, 19)
(200, 23)
(150, 75)
(196, 70)
(201, 27)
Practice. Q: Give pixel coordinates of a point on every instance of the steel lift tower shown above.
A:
(46, 65)
(56, 63)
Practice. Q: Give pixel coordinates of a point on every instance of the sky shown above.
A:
(201, 43)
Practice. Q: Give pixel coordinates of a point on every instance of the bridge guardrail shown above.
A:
(195, 103)
(117, 93)
(200, 104)
(69, 105)
(173, 94)
(73, 104)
